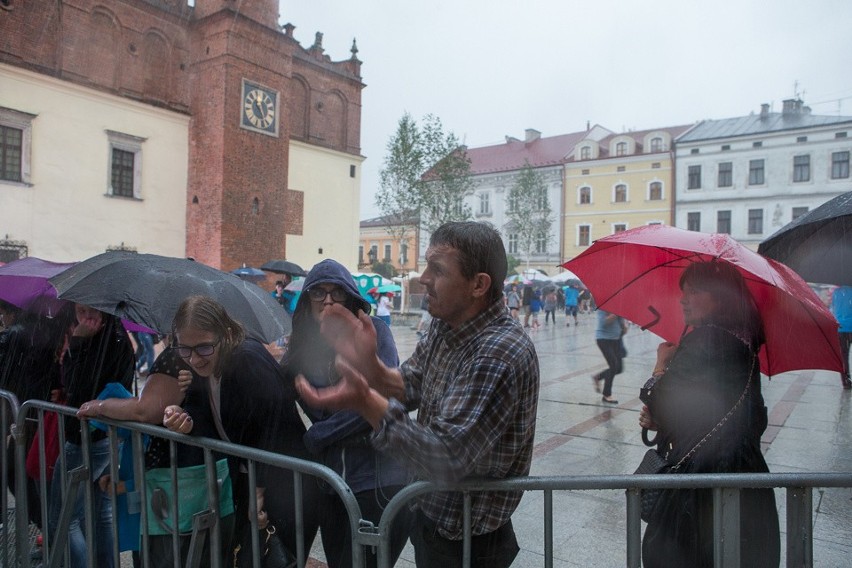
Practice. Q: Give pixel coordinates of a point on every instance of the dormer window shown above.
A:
(657, 144)
(585, 153)
(621, 149)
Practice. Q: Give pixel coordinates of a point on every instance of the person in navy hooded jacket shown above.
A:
(341, 440)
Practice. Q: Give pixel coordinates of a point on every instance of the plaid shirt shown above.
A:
(477, 391)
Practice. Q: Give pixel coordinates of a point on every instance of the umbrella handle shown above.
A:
(653, 322)
(646, 440)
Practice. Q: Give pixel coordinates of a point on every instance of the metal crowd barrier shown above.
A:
(9, 532)
(206, 526)
(726, 490)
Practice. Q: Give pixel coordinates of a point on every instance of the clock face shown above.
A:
(259, 109)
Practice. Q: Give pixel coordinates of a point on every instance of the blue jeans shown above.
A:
(99, 453)
(147, 344)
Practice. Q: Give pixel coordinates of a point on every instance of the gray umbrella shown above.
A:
(147, 289)
(284, 267)
(817, 245)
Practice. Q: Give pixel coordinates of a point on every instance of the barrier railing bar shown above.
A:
(800, 527)
(215, 535)
(726, 527)
(115, 458)
(76, 478)
(634, 527)
(548, 529)
(467, 530)
(252, 513)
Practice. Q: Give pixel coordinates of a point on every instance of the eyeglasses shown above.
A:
(319, 294)
(202, 350)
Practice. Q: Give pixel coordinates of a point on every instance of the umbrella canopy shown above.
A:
(283, 267)
(147, 289)
(250, 274)
(817, 245)
(24, 281)
(636, 274)
(563, 277)
(295, 285)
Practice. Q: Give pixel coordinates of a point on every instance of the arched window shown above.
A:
(621, 149)
(655, 191)
(585, 195)
(657, 144)
(620, 193)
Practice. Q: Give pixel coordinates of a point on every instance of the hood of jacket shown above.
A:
(331, 272)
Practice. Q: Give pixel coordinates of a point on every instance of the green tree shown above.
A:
(426, 176)
(448, 181)
(398, 196)
(511, 264)
(529, 214)
(386, 269)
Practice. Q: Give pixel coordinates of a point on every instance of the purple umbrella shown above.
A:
(24, 281)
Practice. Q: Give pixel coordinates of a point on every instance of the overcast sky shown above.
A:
(490, 68)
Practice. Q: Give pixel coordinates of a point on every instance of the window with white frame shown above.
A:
(541, 243)
(801, 168)
(798, 212)
(513, 243)
(755, 172)
(15, 144)
(839, 165)
(723, 222)
(693, 221)
(387, 257)
(619, 228)
(541, 199)
(511, 202)
(584, 235)
(585, 196)
(693, 177)
(620, 193)
(657, 144)
(485, 203)
(655, 191)
(726, 174)
(621, 149)
(585, 152)
(125, 165)
(755, 221)
(403, 254)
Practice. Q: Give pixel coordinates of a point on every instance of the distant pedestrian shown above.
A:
(535, 308)
(383, 307)
(526, 299)
(513, 301)
(572, 295)
(608, 335)
(841, 307)
(550, 306)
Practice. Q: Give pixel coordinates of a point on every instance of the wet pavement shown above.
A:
(577, 434)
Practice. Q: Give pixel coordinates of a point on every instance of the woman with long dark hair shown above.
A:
(710, 384)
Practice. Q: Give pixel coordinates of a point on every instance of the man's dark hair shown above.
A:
(480, 250)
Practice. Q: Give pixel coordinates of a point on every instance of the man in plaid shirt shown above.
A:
(474, 380)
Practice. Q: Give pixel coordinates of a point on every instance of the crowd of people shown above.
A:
(473, 379)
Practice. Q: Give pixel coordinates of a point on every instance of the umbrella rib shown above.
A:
(665, 264)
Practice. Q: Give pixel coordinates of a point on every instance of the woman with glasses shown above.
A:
(341, 440)
(242, 391)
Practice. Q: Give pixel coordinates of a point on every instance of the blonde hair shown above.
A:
(206, 314)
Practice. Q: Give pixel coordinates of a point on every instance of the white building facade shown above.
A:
(749, 176)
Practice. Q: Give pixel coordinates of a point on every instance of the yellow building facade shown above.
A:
(377, 242)
(620, 182)
(331, 205)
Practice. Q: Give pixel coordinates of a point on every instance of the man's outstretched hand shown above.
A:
(353, 337)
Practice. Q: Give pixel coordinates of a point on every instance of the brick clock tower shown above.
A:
(239, 209)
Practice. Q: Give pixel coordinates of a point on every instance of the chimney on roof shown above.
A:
(764, 111)
(531, 135)
(588, 125)
(792, 107)
(510, 139)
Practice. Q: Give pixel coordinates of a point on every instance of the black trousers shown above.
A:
(611, 349)
(496, 549)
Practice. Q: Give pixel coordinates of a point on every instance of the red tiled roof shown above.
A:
(514, 154)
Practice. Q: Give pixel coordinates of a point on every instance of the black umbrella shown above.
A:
(284, 267)
(147, 289)
(817, 245)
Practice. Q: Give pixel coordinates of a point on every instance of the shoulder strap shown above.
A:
(217, 418)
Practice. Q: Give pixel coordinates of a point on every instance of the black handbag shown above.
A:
(273, 553)
(651, 463)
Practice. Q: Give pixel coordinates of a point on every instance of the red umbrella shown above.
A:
(636, 274)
